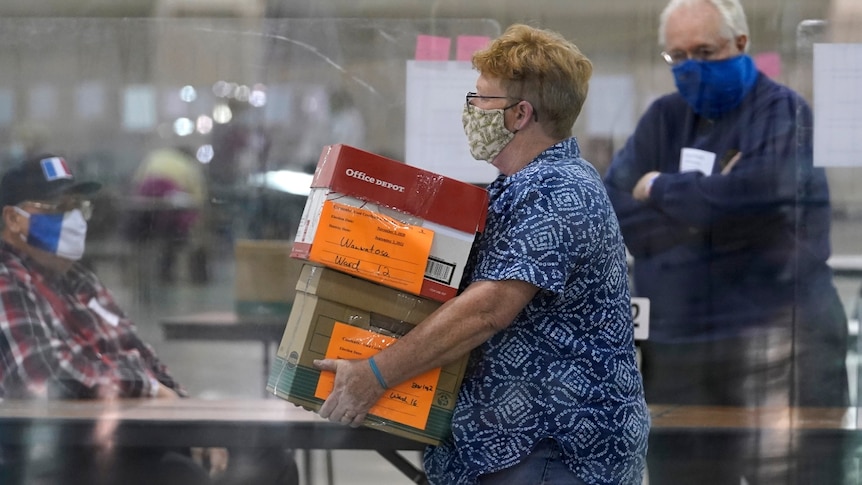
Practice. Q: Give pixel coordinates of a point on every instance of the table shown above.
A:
(835, 430)
(195, 422)
(227, 326)
(837, 421)
(224, 326)
(669, 422)
(276, 423)
(846, 265)
(192, 422)
(831, 436)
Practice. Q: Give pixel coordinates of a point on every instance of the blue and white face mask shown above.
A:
(61, 234)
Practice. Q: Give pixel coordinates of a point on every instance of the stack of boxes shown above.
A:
(386, 245)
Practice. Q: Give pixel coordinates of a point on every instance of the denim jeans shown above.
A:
(541, 467)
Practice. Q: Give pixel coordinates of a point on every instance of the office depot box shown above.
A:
(266, 277)
(391, 223)
(336, 315)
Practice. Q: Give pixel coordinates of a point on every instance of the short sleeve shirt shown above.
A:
(565, 368)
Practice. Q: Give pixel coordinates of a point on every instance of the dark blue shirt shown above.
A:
(722, 255)
(565, 368)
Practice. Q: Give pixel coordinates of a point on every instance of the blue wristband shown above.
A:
(377, 373)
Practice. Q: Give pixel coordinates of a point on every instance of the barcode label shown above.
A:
(439, 271)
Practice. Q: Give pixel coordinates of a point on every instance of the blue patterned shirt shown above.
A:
(565, 368)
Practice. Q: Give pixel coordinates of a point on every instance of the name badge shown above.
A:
(694, 160)
(640, 315)
(106, 315)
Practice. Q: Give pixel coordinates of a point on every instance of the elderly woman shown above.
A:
(552, 393)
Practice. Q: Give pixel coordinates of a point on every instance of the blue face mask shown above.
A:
(713, 88)
(60, 234)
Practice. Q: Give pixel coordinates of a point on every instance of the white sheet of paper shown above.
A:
(837, 103)
(696, 160)
(435, 139)
(139, 108)
(610, 107)
(103, 312)
(640, 315)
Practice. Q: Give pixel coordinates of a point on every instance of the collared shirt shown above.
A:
(63, 336)
(565, 368)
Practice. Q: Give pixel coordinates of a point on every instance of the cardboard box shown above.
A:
(266, 275)
(389, 222)
(336, 312)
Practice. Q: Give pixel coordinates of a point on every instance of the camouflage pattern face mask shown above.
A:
(486, 131)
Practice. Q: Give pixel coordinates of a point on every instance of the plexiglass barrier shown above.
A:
(245, 105)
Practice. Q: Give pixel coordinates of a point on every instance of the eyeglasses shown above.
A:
(702, 53)
(471, 96)
(85, 206)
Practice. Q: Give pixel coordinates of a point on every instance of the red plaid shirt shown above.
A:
(65, 337)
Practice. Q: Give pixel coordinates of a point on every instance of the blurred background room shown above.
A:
(244, 94)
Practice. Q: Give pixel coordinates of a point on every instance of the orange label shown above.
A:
(373, 246)
(407, 403)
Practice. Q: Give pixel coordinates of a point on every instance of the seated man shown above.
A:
(62, 336)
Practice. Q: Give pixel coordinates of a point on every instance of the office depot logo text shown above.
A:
(371, 180)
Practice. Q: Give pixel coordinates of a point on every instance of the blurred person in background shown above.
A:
(728, 222)
(63, 336)
(552, 392)
(169, 210)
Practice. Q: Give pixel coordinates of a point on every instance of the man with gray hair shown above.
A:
(728, 222)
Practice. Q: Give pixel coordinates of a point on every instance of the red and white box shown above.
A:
(388, 222)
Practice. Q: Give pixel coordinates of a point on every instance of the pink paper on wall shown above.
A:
(468, 44)
(769, 63)
(432, 48)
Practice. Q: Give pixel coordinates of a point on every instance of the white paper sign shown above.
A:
(640, 315)
(139, 108)
(695, 160)
(837, 105)
(610, 107)
(103, 312)
(435, 139)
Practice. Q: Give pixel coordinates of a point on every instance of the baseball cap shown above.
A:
(43, 177)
